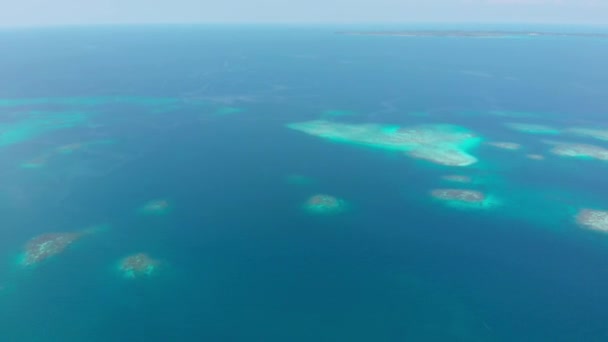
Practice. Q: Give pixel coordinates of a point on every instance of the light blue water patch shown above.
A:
(38, 123)
(228, 110)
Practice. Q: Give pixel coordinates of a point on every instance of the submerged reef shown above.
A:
(535, 156)
(155, 207)
(45, 246)
(457, 178)
(322, 204)
(69, 148)
(138, 265)
(25, 119)
(297, 179)
(578, 150)
(37, 162)
(441, 144)
(458, 195)
(593, 219)
(506, 145)
(532, 128)
(63, 150)
(228, 110)
(600, 134)
(33, 124)
(463, 198)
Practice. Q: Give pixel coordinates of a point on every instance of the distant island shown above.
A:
(473, 34)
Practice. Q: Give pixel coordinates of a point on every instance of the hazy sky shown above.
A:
(60, 12)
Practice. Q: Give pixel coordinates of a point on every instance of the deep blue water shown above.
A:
(243, 261)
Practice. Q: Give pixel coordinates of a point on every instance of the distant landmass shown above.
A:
(474, 34)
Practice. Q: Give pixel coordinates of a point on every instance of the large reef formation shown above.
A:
(578, 150)
(595, 133)
(441, 144)
(593, 219)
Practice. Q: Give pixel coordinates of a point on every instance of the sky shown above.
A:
(78, 12)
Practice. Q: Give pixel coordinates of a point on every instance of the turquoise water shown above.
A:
(95, 123)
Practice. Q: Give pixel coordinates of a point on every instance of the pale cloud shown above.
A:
(571, 3)
(79, 12)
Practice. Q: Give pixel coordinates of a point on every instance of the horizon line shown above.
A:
(299, 24)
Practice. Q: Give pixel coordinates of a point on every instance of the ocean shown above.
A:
(175, 141)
